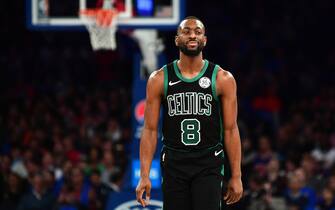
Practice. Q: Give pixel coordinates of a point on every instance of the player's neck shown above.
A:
(190, 64)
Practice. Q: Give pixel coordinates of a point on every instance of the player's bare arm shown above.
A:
(155, 90)
(226, 89)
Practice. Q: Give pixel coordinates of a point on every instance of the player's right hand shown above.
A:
(143, 185)
(234, 191)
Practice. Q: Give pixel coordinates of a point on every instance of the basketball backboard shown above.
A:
(64, 14)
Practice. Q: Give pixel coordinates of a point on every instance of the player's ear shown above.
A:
(205, 40)
(176, 38)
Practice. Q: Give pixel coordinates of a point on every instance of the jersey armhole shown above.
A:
(215, 72)
(165, 70)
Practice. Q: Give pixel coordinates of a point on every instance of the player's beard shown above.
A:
(191, 53)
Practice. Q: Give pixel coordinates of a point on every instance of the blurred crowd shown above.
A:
(63, 150)
(282, 57)
(295, 168)
(65, 121)
(65, 116)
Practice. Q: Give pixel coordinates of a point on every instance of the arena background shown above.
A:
(70, 116)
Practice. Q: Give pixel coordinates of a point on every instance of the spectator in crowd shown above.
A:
(263, 156)
(109, 166)
(275, 179)
(326, 200)
(100, 190)
(248, 153)
(295, 198)
(331, 182)
(306, 190)
(80, 187)
(298, 194)
(50, 182)
(324, 153)
(66, 199)
(256, 197)
(38, 198)
(94, 161)
(12, 190)
(314, 179)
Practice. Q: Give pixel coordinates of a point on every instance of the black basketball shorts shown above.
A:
(192, 180)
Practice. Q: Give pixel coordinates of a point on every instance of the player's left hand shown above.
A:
(234, 191)
(144, 185)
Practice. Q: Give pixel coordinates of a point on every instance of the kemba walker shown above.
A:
(191, 46)
(190, 102)
(199, 105)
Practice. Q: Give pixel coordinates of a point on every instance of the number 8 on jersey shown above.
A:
(190, 134)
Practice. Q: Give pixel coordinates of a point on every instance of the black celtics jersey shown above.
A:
(191, 115)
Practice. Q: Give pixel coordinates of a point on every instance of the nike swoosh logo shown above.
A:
(173, 83)
(218, 152)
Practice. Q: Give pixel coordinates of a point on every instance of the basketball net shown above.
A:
(101, 24)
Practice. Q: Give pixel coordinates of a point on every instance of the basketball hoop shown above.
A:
(101, 25)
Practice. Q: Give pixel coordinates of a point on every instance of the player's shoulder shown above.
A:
(157, 75)
(225, 82)
(156, 81)
(224, 75)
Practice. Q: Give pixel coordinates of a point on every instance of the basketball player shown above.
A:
(199, 117)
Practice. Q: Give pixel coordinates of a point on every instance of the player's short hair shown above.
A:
(190, 18)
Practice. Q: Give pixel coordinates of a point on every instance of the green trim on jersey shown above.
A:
(221, 184)
(222, 170)
(215, 72)
(165, 70)
(180, 76)
(221, 123)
